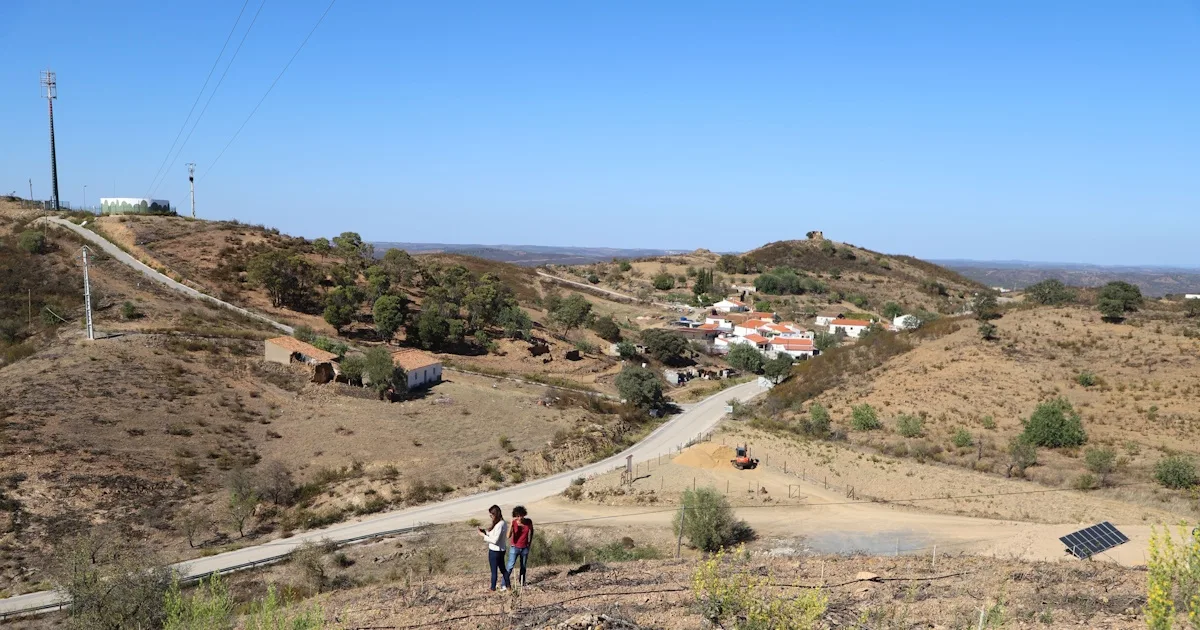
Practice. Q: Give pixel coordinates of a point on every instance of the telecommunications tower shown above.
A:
(50, 92)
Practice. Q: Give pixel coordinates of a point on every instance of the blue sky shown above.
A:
(1058, 131)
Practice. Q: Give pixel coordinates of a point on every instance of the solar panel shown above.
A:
(1090, 541)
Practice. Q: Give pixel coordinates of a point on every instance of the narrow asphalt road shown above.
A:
(120, 254)
(675, 433)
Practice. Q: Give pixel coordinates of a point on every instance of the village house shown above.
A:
(289, 350)
(748, 327)
(825, 317)
(1191, 296)
(796, 347)
(763, 315)
(851, 327)
(721, 322)
(730, 305)
(423, 369)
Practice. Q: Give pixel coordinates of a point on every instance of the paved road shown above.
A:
(697, 419)
(120, 254)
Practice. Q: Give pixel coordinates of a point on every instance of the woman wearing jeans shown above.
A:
(519, 538)
(496, 537)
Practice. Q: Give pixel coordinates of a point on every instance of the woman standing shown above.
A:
(497, 538)
(520, 535)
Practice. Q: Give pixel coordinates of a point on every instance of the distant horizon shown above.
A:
(684, 250)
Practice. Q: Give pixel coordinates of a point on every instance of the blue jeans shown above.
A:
(496, 561)
(513, 554)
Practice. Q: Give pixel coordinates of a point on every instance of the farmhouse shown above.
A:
(794, 346)
(825, 317)
(422, 368)
(748, 327)
(1191, 296)
(851, 327)
(730, 305)
(287, 350)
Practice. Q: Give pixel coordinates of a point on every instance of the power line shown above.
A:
(272, 87)
(210, 96)
(200, 93)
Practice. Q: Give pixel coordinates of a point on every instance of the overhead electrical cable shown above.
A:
(198, 95)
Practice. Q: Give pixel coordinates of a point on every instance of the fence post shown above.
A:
(935, 558)
(679, 541)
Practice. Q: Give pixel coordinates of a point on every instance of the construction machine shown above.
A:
(742, 460)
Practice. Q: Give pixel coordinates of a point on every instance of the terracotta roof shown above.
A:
(752, 323)
(849, 322)
(708, 326)
(779, 328)
(752, 337)
(411, 359)
(762, 315)
(292, 344)
(792, 343)
(829, 314)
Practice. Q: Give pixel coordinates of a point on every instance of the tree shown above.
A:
(1102, 461)
(287, 278)
(1177, 472)
(400, 266)
(515, 321)
(819, 421)
(1117, 298)
(321, 245)
(111, 584)
(1191, 307)
(243, 500)
(864, 418)
(389, 314)
(351, 248)
(626, 350)
(892, 310)
(274, 483)
(571, 312)
(986, 306)
(987, 331)
(433, 328)
(1022, 454)
(823, 341)
(779, 368)
(663, 282)
(378, 283)
(607, 328)
(341, 304)
(353, 368)
(1055, 424)
(746, 358)
(382, 372)
(703, 283)
(32, 241)
(707, 520)
(664, 345)
(639, 387)
(1050, 292)
(209, 607)
(193, 521)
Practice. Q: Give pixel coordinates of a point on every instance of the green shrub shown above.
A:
(864, 418)
(1085, 481)
(1085, 378)
(962, 438)
(1055, 424)
(819, 421)
(606, 328)
(1022, 453)
(909, 426)
(129, 310)
(737, 598)
(1101, 461)
(988, 423)
(1176, 471)
(707, 520)
(32, 241)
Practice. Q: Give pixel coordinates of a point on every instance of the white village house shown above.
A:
(851, 327)
(422, 368)
(794, 346)
(1191, 296)
(730, 305)
(825, 317)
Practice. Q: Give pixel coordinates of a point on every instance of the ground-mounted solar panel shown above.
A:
(1090, 541)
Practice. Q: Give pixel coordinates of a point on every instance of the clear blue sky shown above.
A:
(1061, 131)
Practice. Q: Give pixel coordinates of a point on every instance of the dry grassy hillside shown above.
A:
(1143, 402)
(841, 277)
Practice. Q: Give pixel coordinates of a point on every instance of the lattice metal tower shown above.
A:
(50, 92)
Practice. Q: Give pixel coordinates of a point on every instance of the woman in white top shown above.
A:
(496, 537)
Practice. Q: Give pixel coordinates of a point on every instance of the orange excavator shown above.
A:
(742, 460)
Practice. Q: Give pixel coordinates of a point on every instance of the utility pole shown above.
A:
(31, 189)
(192, 185)
(50, 92)
(87, 295)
